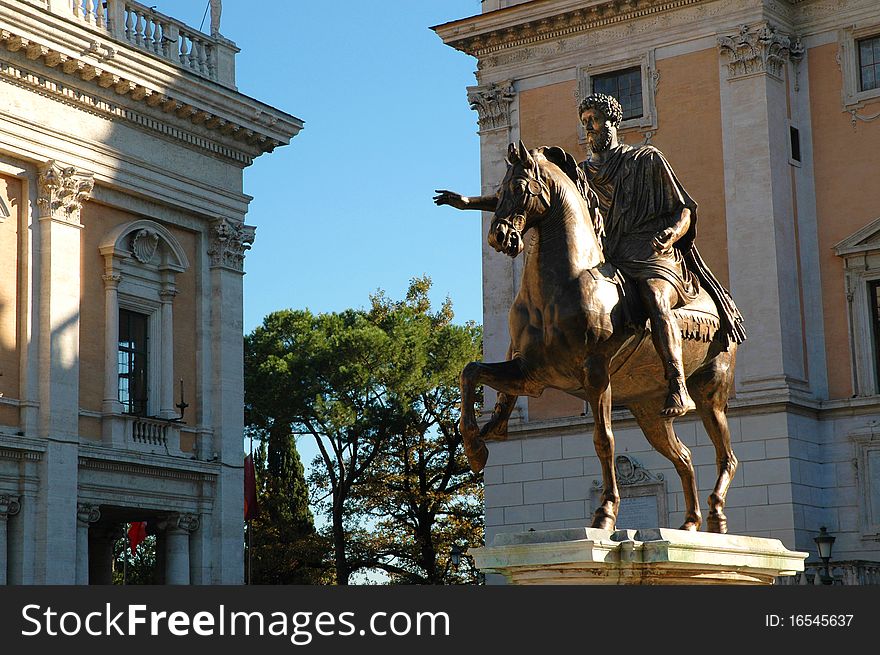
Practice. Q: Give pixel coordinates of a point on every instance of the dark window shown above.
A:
(874, 303)
(869, 63)
(626, 86)
(795, 143)
(133, 350)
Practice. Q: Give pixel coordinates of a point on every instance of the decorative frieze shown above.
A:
(61, 191)
(229, 242)
(759, 49)
(531, 31)
(492, 104)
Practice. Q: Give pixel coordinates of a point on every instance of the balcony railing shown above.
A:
(849, 573)
(146, 29)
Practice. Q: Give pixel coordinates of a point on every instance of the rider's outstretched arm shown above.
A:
(482, 203)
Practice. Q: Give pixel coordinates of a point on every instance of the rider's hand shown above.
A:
(663, 241)
(450, 198)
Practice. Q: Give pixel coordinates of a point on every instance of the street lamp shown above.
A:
(455, 555)
(824, 542)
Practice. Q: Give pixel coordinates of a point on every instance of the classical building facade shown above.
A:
(769, 112)
(122, 144)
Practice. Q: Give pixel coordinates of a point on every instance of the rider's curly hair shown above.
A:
(608, 105)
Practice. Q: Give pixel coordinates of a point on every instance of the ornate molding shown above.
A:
(9, 505)
(145, 471)
(629, 471)
(61, 191)
(492, 103)
(759, 49)
(86, 513)
(229, 242)
(856, 116)
(531, 30)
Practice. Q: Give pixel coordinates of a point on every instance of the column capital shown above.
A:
(61, 191)
(9, 505)
(759, 49)
(111, 280)
(229, 241)
(492, 104)
(86, 513)
(168, 294)
(183, 523)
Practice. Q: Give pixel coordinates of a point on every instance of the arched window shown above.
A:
(141, 262)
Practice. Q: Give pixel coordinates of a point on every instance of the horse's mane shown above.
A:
(567, 164)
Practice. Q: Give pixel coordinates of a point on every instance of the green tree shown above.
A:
(420, 491)
(321, 376)
(284, 547)
(138, 568)
(358, 382)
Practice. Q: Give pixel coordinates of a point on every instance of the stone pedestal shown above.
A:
(654, 556)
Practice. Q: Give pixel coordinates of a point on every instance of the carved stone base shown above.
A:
(654, 556)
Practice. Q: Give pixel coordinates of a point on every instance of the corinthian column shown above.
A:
(61, 192)
(85, 515)
(228, 243)
(762, 234)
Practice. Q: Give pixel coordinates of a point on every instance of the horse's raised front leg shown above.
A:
(597, 384)
(509, 379)
(496, 427)
(660, 434)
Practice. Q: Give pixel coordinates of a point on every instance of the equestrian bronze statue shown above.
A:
(642, 316)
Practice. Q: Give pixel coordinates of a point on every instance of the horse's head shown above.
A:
(522, 197)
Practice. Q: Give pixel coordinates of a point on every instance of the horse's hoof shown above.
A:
(717, 524)
(678, 402)
(477, 458)
(494, 431)
(690, 526)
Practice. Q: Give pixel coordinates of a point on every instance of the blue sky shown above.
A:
(346, 208)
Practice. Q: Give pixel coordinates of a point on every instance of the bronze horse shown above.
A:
(569, 330)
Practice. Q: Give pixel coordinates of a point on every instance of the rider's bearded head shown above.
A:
(609, 108)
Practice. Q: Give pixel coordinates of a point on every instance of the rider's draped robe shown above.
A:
(639, 196)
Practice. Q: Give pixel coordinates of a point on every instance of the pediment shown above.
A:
(866, 239)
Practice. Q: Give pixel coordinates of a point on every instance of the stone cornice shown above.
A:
(543, 20)
(110, 78)
(145, 470)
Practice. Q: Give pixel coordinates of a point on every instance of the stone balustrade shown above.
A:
(137, 433)
(162, 36)
(848, 573)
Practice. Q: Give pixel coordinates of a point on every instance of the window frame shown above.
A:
(650, 79)
(861, 266)
(848, 42)
(134, 353)
(150, 309)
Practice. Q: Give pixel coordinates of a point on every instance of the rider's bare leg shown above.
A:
(660, 297)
